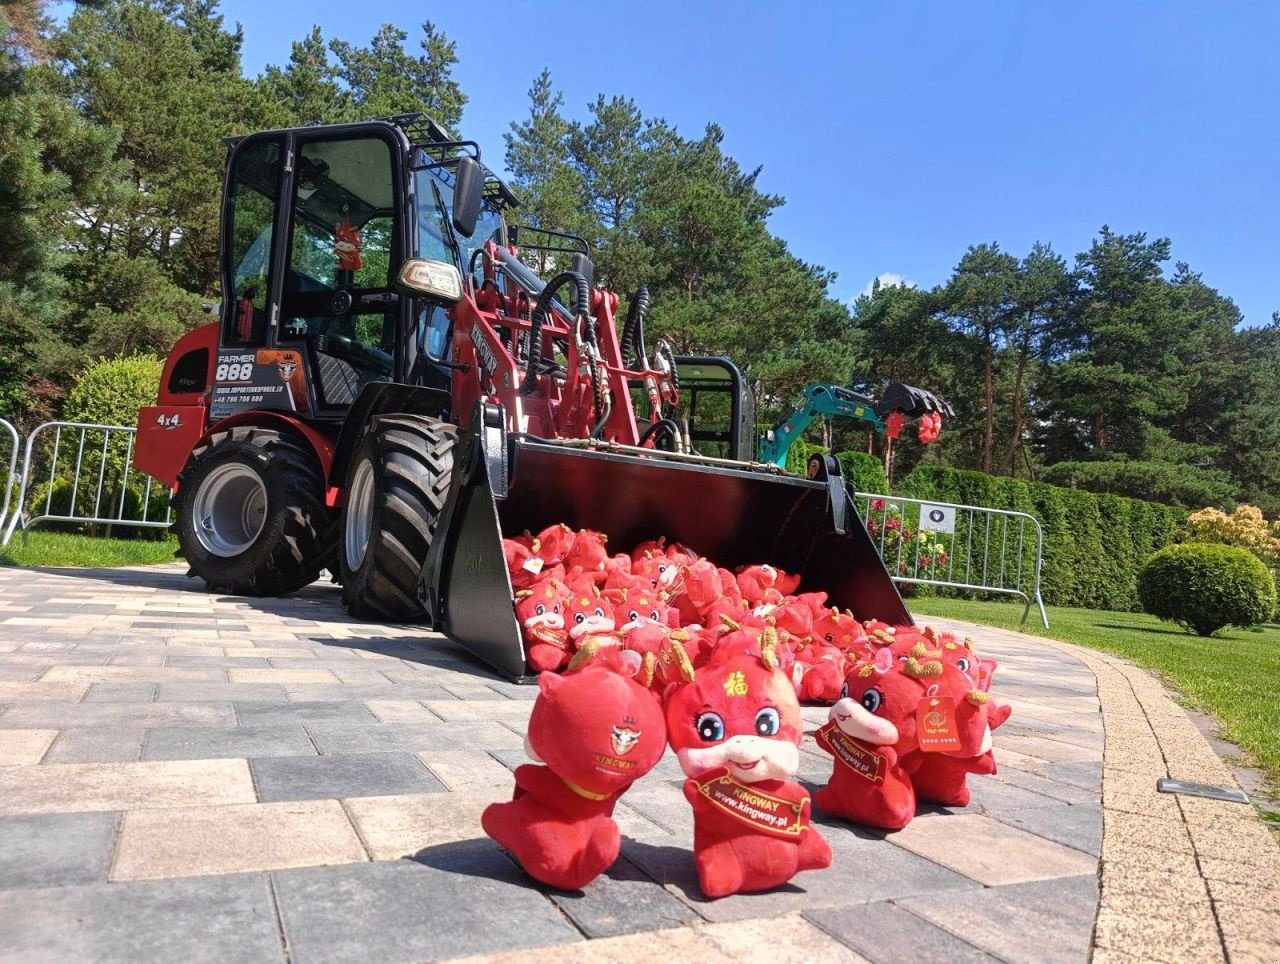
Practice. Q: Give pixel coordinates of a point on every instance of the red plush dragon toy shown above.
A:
(736, 729)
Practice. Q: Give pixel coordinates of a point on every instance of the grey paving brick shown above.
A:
(55, 849)
(993, 796)
(219, 692)
(97, 744)
(262, 713)
(864, 869)
(344, 738)
(335, 777)
(65, 715)
(20, 674)
(220, 742)
(344, 692)
(1077, 826)
(623, 900)
(886, 934)
(214, 919)
(1048, 921)
(443, 906)
(1057, 789)
(121, 693)
(1084, 774)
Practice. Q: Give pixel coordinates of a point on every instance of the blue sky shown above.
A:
(900, 133)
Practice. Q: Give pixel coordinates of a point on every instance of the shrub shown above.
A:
(863, 472)
(1244, 528)
(111, 391)
(1206, 587)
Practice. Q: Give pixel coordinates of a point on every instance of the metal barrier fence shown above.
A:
(10, 434)
(958, 546)
(74, 472)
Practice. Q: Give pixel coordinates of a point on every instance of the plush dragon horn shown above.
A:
(978, 697)
(522, 593)
(769, 647)
(729, 622)
(583, 655)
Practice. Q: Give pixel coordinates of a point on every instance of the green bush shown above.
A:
(1206, 587)
(863, 472)
(111, 391)
(1094, 544)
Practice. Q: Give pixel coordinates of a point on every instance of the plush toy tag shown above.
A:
(853, 754)
(761, 811)
(533, 564)
(936, 724)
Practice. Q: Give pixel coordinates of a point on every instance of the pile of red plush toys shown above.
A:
(663, 647)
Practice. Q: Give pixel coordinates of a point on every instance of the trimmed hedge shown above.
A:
(1094, 545)
(863, 472)
(1206, 587)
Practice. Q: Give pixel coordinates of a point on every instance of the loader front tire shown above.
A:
(396, 488)
(251, 519)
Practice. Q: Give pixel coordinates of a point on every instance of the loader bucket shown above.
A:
(733, 515)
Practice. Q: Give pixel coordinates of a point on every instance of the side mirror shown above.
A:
(583, 265)
(435, 279)
(468, 191)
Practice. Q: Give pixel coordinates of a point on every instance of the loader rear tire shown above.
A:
(251, 519)
(396, 489)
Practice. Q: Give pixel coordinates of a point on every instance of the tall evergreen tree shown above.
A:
(384, 79)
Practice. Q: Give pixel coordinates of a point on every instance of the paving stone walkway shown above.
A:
(193, 777)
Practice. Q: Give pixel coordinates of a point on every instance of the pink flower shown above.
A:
(877, 505)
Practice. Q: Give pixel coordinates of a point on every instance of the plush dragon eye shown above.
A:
(600, 612)
(654, 615)
(830, 638)
(767, 722)
(662, 567)
(539, 609)
(871, 700)
(844, 692)
(710, 727)
(963, 664)
(579, 617)
(632, 616)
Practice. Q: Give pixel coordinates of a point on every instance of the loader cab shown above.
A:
(316, 225)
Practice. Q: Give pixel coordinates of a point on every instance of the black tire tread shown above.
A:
(306, 544)
(417, 461)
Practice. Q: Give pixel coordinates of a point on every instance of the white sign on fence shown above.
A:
(937, 518)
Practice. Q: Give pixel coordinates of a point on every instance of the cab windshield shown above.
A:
(436, 235)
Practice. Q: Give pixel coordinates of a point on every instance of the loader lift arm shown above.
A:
(827, 401)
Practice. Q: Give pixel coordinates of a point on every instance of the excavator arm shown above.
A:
(828, 401)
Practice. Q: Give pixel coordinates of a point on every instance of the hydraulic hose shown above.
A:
(541, 310)
(663, 425)
(633, 329)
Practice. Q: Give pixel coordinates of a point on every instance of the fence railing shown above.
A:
(9, 438)
(958, 546)
(75, 472)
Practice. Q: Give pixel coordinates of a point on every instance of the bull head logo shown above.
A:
(624, 739)
(286, 370)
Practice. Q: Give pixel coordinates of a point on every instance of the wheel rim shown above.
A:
(359, 515)
(230, 510)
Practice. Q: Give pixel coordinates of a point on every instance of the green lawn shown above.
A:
(1234, 676)
(62, 549)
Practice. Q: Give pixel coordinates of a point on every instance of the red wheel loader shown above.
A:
(389, 390)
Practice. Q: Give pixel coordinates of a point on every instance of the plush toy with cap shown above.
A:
(593, 732)
(736, 729)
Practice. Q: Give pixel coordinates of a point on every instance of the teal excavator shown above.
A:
(898, 403)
